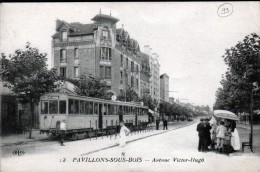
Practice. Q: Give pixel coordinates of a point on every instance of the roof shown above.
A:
(78, 29)
(99, 16)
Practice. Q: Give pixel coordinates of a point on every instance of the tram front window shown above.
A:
(71, 106)
(62, 107)
(53, 106)
(44, 107)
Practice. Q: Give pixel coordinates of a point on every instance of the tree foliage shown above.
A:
(149, 101)
(129, 95)
(91, 87)
(243, 61)
(26, 74)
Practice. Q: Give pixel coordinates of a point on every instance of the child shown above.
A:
(221, 132)
(124, 131)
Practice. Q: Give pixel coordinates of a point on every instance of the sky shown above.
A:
(189, 37)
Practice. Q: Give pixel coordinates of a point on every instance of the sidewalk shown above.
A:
(16, 139)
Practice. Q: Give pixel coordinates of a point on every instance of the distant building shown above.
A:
(155, 73)
(145, 74)
(97, 49)
(164, 87)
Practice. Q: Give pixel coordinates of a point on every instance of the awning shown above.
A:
(225, 114)
(150, 111)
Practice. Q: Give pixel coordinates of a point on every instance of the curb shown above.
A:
(34, 140)
(104, 148)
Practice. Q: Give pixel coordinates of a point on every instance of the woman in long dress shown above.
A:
(124, 131)
(235, 139)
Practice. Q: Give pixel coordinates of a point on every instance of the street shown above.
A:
(175, 150)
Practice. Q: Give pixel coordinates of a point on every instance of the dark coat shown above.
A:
(201, 128)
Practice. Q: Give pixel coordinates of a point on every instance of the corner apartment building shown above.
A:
(97, 49)
(164, 87)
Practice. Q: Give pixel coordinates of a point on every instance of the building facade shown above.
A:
(97, 49)
(164, 87)
(155, 73)
(145, 74)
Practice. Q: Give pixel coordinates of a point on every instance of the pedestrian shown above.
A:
(208, 134)
(221, 133)
(124, 131)
(62, 131)
(157, 123)
(165, 121)
(201, 127)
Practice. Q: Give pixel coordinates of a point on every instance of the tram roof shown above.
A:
(96, 99)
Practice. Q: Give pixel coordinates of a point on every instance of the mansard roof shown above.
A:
(76, 28)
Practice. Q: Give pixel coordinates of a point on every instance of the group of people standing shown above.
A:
(213, 135)
(203, 129)
(165, 123)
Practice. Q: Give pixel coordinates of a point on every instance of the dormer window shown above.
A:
(64, 35)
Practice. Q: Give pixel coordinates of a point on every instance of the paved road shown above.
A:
(175, 150)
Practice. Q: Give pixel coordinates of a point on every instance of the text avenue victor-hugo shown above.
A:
(135, 160)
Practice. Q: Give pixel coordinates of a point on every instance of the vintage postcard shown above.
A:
(130, 86)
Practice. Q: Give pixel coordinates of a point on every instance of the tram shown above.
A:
(86, 115)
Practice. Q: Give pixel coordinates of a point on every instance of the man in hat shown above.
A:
(201, 128)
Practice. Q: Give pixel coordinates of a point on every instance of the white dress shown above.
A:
(123, 131)
(235, 140)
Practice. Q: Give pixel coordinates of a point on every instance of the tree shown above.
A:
(243, 62)
(149, 101)
(91, 87)
(129, 95)
(26, 74)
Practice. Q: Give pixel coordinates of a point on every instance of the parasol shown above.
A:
(225, 114)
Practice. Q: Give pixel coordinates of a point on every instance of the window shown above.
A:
(105, 109)
(108, 72)
(132, 81)
(105, 72)
(121, 77)
(81, 107)
(132, 66)
(44, 107)
(126, 63)
(105, 53)
(63, 107)
(64, 35)
(76, 104)
(53, 106)
(63, 72)
(63, 56)
(137, 83)
(105, 34)
(90, 108)
(76, 71)
(122, 60)
(76, 53)
(73, 106)
(137, 68)
(96, 108)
